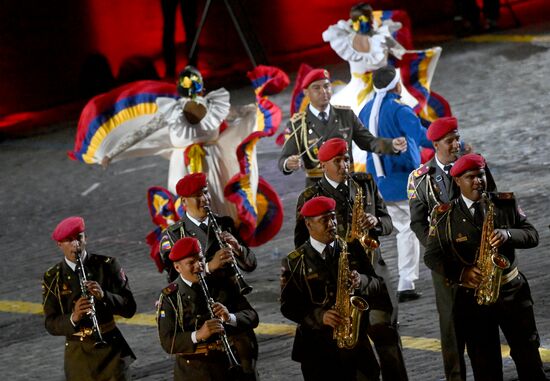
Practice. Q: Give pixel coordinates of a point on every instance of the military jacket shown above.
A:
(308, 289)
(429, 186)
(372, 201)
(209, 244)
(60, 291)
(454, 237)
(306, 133)
(182, 309)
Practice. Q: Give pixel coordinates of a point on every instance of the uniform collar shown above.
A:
(316, 112)
(333, 183)
(72, 265)
(197, 222)
(319, 246)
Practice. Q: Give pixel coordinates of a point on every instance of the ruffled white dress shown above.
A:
(169, 133)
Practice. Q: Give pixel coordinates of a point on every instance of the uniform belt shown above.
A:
(204, 348)
(88, 331)
(508, 277)
(314, 172)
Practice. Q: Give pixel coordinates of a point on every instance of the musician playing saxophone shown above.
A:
(196, 223)
(339, 184)
(452, 251)
(309, 281)
(187, 329)
(68, 313)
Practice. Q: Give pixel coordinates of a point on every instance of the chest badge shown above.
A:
(461, 238)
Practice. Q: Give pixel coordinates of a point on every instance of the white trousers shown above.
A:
(408, 246)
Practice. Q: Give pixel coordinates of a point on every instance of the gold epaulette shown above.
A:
(297, 116)
(422, 170)
(361, 176)
(309, 192)
(504, 195)
(170, 289)
(52, 271)
(295, 254)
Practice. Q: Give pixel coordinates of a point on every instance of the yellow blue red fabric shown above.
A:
(105, 112)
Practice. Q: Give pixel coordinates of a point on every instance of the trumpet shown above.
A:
(100, 343)
(244, 288)
(233, 362)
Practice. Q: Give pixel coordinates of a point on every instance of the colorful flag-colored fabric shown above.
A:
(110, 112)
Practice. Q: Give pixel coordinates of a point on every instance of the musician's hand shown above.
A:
(332, 318)
(355, 279)
(498, 237)
(209, 328)
(232, 241)
(471, 277)
(399, 144)
(293, 163)
(220, 311)
(95, 289)
(82, 307)
(220, 259)
(368, 221)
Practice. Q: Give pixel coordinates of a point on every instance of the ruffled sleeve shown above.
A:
(340, 37)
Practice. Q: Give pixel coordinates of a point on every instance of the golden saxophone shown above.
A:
(355, 231)
(349, 308)
(489, 261)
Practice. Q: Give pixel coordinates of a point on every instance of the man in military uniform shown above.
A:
(386, 116)
(455, 241)
(337, 184)
(89, 354)
(429, 186)
(309, 281)
(308, 130)
(197, 223)
(190, 325)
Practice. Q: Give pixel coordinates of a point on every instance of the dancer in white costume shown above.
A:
(193, 123)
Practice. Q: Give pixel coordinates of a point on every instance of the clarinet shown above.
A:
(100, 343)
(233, 362)
(244, 288)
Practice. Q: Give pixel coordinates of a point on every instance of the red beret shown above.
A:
(69, 227)
(331, 148)
(191, 184)
(441, 127)
(314, 75)
(185, 247)
(467, 162)
(318, 206)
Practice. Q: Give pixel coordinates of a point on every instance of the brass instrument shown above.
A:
(96, 331)
(244, 287)
(233, 363)
(355, 231)
(349, 308)
(489, 261)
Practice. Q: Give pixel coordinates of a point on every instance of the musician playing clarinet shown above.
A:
(197, 223)
(192, 327)
(83, 310)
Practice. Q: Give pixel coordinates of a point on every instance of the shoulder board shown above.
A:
(170, 289)
(422, 170)
(361, 176)
(309, 192)
(504, 195)
(174, 226)
(297, 116)
(295, 254)
(341, 107)
(52, 271)
(440, 209)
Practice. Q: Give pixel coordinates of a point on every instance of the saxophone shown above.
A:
(350, 308)
(489, 261)
(355, 231)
